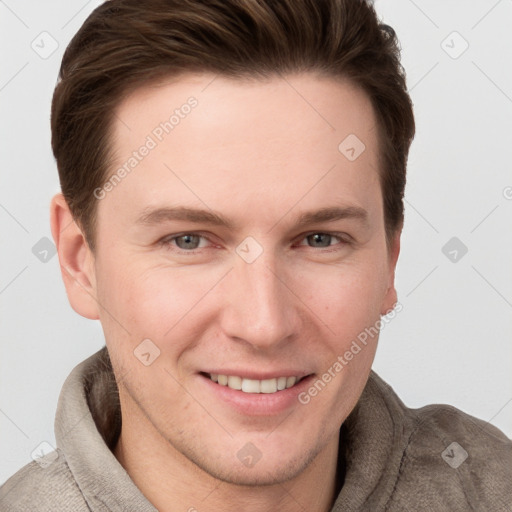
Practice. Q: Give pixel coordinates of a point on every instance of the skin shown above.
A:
(257, 153)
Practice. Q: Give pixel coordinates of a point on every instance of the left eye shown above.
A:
(323, 239)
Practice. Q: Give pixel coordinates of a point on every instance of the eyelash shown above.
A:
(167, 241)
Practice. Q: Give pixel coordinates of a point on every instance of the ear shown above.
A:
(390, 297)
(75, 258)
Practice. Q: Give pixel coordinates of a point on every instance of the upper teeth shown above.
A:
(252, 385)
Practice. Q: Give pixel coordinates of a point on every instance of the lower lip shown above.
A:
(258, 404)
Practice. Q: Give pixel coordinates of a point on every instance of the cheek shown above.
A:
(346, 297)
(154, 303)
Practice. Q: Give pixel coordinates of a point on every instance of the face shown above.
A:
(244, 242)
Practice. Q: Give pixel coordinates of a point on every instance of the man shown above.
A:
(232, 175)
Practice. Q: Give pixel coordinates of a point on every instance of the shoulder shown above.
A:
(42, 487)
(458, 461)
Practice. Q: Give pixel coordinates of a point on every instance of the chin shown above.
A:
(265, 475)
(243, 471)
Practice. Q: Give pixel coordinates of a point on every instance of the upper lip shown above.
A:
(259, 375)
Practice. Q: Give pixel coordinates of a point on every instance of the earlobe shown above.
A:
(75, 258)
(391, 298)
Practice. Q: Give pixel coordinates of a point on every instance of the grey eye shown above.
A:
(188, 241)
(323, 239)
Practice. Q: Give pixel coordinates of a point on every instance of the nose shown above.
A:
(258, 304)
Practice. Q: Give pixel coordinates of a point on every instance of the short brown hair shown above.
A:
(125, 44)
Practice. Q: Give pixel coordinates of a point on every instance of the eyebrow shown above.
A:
(183, 213)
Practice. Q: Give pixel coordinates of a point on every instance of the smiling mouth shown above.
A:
(267, 386)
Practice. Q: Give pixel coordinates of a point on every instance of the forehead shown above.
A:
(282, 141)
(305, 100)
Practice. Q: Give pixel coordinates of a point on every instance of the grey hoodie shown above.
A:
(391, 458)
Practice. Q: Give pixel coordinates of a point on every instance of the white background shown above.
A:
(452, 341)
